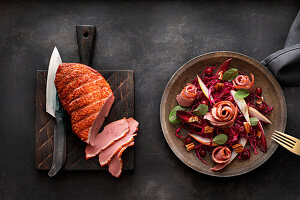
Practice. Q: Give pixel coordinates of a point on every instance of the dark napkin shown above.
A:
(285, 63)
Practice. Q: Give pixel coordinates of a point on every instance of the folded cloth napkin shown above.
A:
(285, 63)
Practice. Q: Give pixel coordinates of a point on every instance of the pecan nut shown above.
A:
(208, 129)
(219, 86)
(247, 127)
(238, 148)
(190, 147)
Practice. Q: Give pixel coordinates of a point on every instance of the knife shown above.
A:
(54, 108)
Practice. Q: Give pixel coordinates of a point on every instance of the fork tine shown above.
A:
(287, 140)
(281, 143)
(287, 136)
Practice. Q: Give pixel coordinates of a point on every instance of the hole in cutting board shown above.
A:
(86, 34)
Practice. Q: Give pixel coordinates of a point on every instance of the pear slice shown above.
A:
(204, 88)
(242, 106)
(203, 140)
(255, 113)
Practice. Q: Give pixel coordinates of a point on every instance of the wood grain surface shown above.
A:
(122, 85)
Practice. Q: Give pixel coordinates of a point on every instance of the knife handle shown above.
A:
(86, 35)
(59, 149)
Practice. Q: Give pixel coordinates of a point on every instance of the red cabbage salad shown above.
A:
(223, 113)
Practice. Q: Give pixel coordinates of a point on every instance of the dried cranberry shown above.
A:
(204, 102)
(188, 140)
(202, 153)
(258, 91)
(261, 107)
(208, 71)
(245, 155)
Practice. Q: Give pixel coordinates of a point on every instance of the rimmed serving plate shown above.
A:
(272, 93)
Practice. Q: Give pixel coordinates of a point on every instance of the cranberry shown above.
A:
(261, 107)
(245, 155)
(258, 91)
(202, 153)
(188, 140)
(230, 99)
(227, 131)
(208, 71)
(204, 102)
(241, 129)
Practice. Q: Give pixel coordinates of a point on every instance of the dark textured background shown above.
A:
(154, 38)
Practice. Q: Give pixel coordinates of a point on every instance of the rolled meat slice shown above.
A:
(223, 114)
(187, 96)
(107, 154)
(116, 164)
(111, 133)
(243, 82)
(221, 155)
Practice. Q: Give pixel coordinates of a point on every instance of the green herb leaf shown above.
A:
(254, 121)
(173, 117)
(201, 110)
(241, 94)
(230, 74)
(220, 139)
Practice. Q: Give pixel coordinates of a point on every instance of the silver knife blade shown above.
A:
(51, 102)
(54, 108)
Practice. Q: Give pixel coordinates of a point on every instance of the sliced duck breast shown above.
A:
(107, 154)
(111, 133)
(116, 164)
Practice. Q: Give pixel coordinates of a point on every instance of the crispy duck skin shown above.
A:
(86, 96)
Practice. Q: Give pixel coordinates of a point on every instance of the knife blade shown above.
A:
(54, 108)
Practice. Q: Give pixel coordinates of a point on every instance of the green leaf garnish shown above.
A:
(241, 94)
(220, 139)
(201, 110)
(254, 121)
(230, 74)
(173, 117)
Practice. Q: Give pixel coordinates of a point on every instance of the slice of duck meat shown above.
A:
(187, 96)
(107, 154)
(111, 133)
(116, 164)
(86, 96)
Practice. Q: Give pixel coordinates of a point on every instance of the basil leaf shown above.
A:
(173, 117)
(230, 74)
(254, 121)
(201, 110)
(241, 94)
(220, 139)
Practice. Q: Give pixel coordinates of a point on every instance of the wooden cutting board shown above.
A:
(122, 85)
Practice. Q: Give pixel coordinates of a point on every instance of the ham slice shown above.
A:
(220, 166)
(222, 114)
(106, 155)
(187, 96)
(111, 133)
(243, 82)
(116, 164)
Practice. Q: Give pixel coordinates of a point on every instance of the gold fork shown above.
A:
(290, 143)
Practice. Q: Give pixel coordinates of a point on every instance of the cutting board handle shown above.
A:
(86, 35)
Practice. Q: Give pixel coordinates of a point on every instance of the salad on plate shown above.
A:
(223, 114)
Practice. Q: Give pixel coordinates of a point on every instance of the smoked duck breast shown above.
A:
(86, 96)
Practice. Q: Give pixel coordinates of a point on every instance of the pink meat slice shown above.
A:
(111, 133)
(116, 164)
(107, 154)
